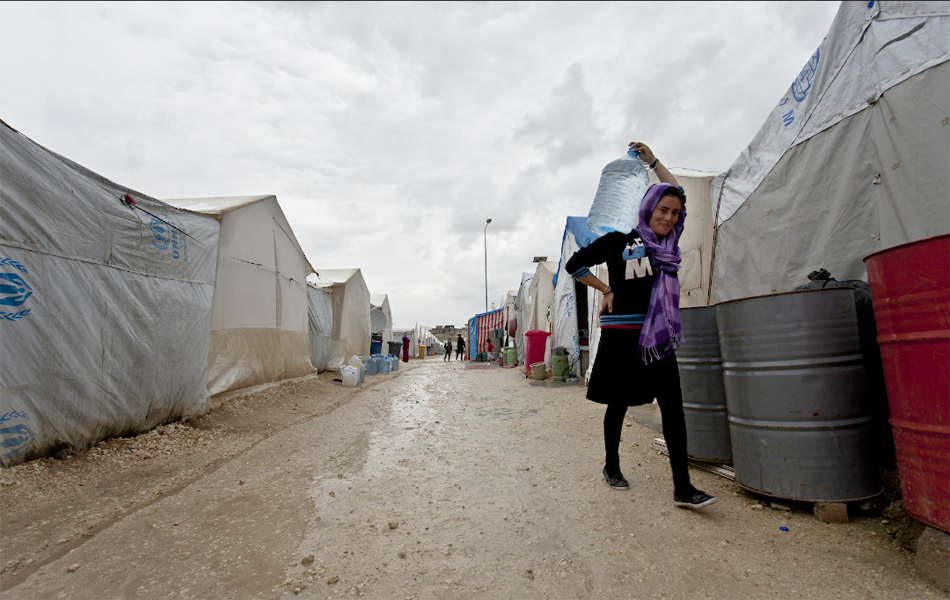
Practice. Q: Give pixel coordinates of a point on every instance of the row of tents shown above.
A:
(854, 159)
(120, 312)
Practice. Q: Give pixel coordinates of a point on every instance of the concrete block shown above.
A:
(831, 512)
(933, 557)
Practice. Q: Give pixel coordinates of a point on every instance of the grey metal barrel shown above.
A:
(799, 417)
(704, 397)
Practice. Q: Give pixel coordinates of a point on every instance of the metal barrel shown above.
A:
(910, 289)
(704, 397)
(795, 389)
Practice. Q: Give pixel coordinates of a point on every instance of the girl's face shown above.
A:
(665, 215)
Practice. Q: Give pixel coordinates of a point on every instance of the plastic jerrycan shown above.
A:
(351, 376)
(560, 367)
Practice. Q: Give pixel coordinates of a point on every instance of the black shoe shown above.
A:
(616, 481)
(695, 500)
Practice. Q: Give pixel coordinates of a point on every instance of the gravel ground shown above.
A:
(439, 481)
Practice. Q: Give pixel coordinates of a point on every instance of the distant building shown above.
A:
(444, 330)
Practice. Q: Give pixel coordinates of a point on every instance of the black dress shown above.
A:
(619, 375)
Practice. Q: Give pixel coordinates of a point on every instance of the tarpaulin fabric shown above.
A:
(576, 227)
(851, 161)
(565, 330)
(105, 308)
(351, 305)
(472, 337)
(541, 297)
(320, 303)
(488, 322)
(381, 301)
(259, 324)
(697, 240)
(521, 312)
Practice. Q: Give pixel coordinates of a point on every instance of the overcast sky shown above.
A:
(389, 132)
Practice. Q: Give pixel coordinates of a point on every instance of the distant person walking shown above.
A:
(459, 348)
(448, 351)
(405, 348)
(491, 350)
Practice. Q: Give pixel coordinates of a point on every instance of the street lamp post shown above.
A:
(487, 221)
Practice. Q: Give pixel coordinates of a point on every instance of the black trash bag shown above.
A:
(874, 369)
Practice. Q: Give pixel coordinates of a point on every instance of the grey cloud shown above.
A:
(565, 130)
(400, 126)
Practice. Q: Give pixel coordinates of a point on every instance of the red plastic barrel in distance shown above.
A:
(910, 288)
(534, 350)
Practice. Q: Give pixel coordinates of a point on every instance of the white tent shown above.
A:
(105, 307)
(421, 336)
(381, 302)
(541, 297)
(541, 302)
(321, 326)
(575, 304)
(521, 313)
(697, 241)
(260, 323)
(509, 312)
(351, 305)
(853, 159)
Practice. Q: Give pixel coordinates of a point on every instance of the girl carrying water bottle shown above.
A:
(640, 324)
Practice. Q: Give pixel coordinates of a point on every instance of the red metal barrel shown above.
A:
(910, 288)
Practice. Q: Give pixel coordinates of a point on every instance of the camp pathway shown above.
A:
(463, 480)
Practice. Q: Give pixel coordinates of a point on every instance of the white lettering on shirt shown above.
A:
(638, 263)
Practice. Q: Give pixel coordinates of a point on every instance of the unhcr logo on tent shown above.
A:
(15, 438)
(166, 235)
(160, 233)
(14, 290)
(802, 84)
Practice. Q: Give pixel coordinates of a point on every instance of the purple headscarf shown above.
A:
(662, 331)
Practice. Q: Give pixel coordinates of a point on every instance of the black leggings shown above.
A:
(674, 431)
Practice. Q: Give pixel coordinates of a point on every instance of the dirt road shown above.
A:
(437, 482)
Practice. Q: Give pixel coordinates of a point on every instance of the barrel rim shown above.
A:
(920, 241)
(824, 289)
(808, 499)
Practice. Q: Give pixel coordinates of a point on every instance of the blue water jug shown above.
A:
(384, 365)
(617, 201)
(371, 366)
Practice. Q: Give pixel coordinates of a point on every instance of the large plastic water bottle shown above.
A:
(617, 201)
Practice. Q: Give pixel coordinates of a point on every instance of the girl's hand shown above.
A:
(608, 303)
(646, 155)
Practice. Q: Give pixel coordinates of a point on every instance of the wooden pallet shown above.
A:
(722, 470)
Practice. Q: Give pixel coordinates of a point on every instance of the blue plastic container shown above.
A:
(371, 366)
(375, 348)
(384, 365)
